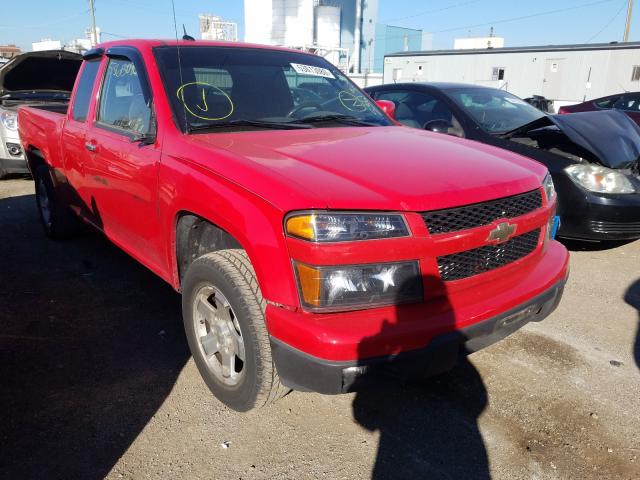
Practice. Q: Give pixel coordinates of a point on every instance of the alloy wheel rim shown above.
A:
(218, 335)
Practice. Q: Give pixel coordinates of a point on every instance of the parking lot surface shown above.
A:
(96, 381)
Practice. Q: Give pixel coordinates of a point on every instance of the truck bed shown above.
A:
(41, 130)
(57, 107)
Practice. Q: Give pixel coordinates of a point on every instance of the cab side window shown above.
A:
(629, 103)
(83, 92)
(122, 104)
(607, 102)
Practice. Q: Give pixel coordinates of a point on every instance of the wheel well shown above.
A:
(35, 158)
(195, 237)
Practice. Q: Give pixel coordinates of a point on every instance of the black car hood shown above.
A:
(610, 135)
(51, 71)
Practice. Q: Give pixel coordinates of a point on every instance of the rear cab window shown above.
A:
(82, 99)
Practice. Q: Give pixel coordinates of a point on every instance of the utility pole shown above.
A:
(627, 25)
(94, 31)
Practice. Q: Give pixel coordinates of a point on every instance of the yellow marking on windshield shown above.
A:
(191, 107)
(204, 100)
(354, 103)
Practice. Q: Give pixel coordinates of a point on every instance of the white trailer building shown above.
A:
(565, 74)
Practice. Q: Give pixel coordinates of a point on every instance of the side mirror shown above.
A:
(438, 126)
(387, 107)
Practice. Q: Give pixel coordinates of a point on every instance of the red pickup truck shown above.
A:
(313, 239)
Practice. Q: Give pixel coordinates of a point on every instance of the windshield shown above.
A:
(496, 111)
(253, 88)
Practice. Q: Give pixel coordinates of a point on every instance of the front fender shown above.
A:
(251, 220)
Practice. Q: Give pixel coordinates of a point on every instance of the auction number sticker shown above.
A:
(311, 70)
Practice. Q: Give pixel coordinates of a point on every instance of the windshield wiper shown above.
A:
(336, 117)
(246, 123)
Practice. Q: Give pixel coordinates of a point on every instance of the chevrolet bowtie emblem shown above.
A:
(503, 232)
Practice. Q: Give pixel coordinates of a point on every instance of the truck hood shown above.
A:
(50, 71)
(610, 135)
(377, 168)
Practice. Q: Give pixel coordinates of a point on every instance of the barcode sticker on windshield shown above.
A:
(311, 70)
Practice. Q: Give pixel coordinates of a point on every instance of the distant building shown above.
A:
(343, 31)
(79, 45)
(46, 44)
(88, 33)
(391, 39)
(215, 28)
(478, 43)
(563, 73)
(9, 51)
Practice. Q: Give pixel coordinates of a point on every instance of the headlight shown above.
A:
(600, 179)
(549, 188)
(344, 227)
(346, 287)
(9, 120)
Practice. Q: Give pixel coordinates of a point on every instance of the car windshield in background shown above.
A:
(495, 110)
(220, 88)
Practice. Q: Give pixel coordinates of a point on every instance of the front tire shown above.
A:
(57, 219)
(223, 313)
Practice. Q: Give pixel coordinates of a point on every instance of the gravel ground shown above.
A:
(96, 381)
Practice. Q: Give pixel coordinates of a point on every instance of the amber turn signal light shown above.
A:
(301, 226)
(309, 281)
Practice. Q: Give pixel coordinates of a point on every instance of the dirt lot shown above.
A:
(96, 380)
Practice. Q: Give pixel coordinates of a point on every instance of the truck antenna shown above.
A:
(175, 28)
(186, 36)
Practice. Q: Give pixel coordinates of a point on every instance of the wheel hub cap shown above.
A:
(219, 335)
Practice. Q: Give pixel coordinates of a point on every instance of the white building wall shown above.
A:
(328, 26)
(559, 75)
(258, 21)
(279, 22)
(46, 44)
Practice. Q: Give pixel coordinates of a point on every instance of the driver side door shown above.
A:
(124, 157)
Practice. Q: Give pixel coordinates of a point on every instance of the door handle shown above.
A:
(90, 146)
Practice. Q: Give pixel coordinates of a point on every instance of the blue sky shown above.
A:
(23, 22)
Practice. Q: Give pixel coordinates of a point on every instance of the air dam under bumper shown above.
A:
(304, 372)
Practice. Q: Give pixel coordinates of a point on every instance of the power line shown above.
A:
(42, 25)
(102, 32)
(525, 17)
(507, 20)
(437, 10)
(608, 23)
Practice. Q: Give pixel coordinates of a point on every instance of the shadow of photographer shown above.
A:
(428, 427)
(632, 297)
(91, 346)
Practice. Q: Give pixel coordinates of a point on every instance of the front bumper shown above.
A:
(594, 216)
(304, 372)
